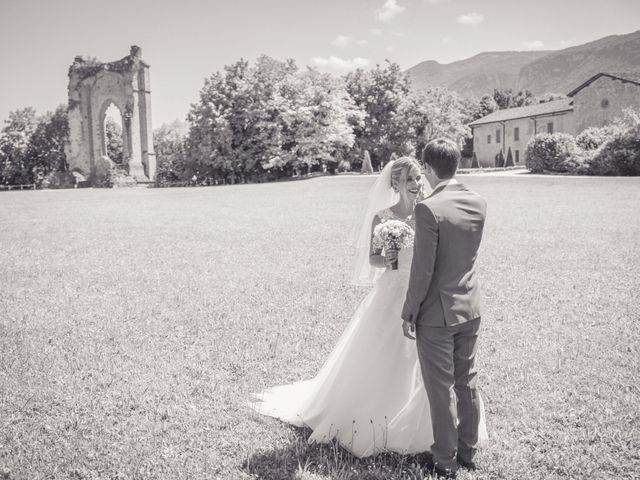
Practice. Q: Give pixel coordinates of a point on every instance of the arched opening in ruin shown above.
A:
(109, 107)
(112, 134)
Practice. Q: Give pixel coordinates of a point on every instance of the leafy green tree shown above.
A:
(317, 117)
(113, 140)
(268, 117)
(482, 108)
(14, 145)
(169, 146)
(236, 124)
(431, 114)
(506, 98)
(509, 162)
(366, 163)
(379, 93)
(45, 152)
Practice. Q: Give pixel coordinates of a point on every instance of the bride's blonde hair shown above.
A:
(402, 164)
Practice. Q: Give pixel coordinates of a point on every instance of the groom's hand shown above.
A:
(409, 329)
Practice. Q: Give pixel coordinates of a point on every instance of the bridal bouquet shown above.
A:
(392, 235)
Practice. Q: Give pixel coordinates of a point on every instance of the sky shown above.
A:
(186, 41)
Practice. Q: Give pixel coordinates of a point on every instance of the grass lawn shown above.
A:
(135, 323)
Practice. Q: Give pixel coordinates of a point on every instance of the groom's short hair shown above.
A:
(443, 156)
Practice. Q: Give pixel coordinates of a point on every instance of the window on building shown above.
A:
(498, 139)
(517, 155)
(516, 134)
(488, 138)
(550, 127)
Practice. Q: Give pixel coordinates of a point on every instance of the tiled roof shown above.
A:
(633, 77)
(539, 109)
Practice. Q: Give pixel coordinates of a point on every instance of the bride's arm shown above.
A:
(376, 259)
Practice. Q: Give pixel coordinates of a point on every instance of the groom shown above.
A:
(443, 306)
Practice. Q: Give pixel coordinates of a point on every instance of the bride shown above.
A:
(369, 394)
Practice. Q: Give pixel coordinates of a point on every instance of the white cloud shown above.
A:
(341, 64)
(567, 43)
(471, 19)
(341, 41)
(363, 42)
(376, 31)
(388, 49)
(389, 10)
(434, 1)
(533, 45)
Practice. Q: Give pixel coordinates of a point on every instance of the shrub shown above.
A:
(366, 163)
(474, 161)
(499, 159)
(344, 166)
(618, 156)
(55, 180)
(509, 162)
(119, 178)
(593, 137)
(553, 152)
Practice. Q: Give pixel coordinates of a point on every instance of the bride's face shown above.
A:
(410, 183)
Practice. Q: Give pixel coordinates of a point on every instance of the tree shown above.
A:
(474, 161)
(509, 162)
(482, 108)
(233, 126)
(506, 98)
(169, 145)
(366, 163)
(14, 144)
(268, 117)
(317, 117)
(379, 93)
(434, 113)
(113, 140)
(45, 152)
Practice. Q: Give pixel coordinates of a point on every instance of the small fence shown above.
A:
(29, 186)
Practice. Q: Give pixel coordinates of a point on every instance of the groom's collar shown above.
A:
(444, 183)
(440, 186)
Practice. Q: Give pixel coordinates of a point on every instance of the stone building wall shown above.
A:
(487, 148)
(602, 101)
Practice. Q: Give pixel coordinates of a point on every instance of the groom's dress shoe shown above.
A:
(439, 472)
(444, 473)
(471, 465)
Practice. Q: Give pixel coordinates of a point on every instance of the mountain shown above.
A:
(539, 71)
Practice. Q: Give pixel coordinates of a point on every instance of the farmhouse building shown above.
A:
(595, 103)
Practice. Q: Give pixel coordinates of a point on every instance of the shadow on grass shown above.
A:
(303, 461)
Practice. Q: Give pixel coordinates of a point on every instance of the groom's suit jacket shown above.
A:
(443, 287)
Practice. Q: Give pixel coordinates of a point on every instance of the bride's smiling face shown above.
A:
(410, 183)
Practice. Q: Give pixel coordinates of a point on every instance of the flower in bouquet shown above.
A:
(392, 235)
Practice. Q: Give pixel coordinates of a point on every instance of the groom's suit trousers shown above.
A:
(447, 359)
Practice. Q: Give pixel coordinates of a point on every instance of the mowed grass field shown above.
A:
(134, 324)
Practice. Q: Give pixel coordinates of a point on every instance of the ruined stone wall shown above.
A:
(93, 86)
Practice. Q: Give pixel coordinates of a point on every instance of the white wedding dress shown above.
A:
(369, 395)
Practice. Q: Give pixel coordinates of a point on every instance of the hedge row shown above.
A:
(610, 150)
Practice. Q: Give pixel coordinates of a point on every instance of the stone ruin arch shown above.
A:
(93, 87)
